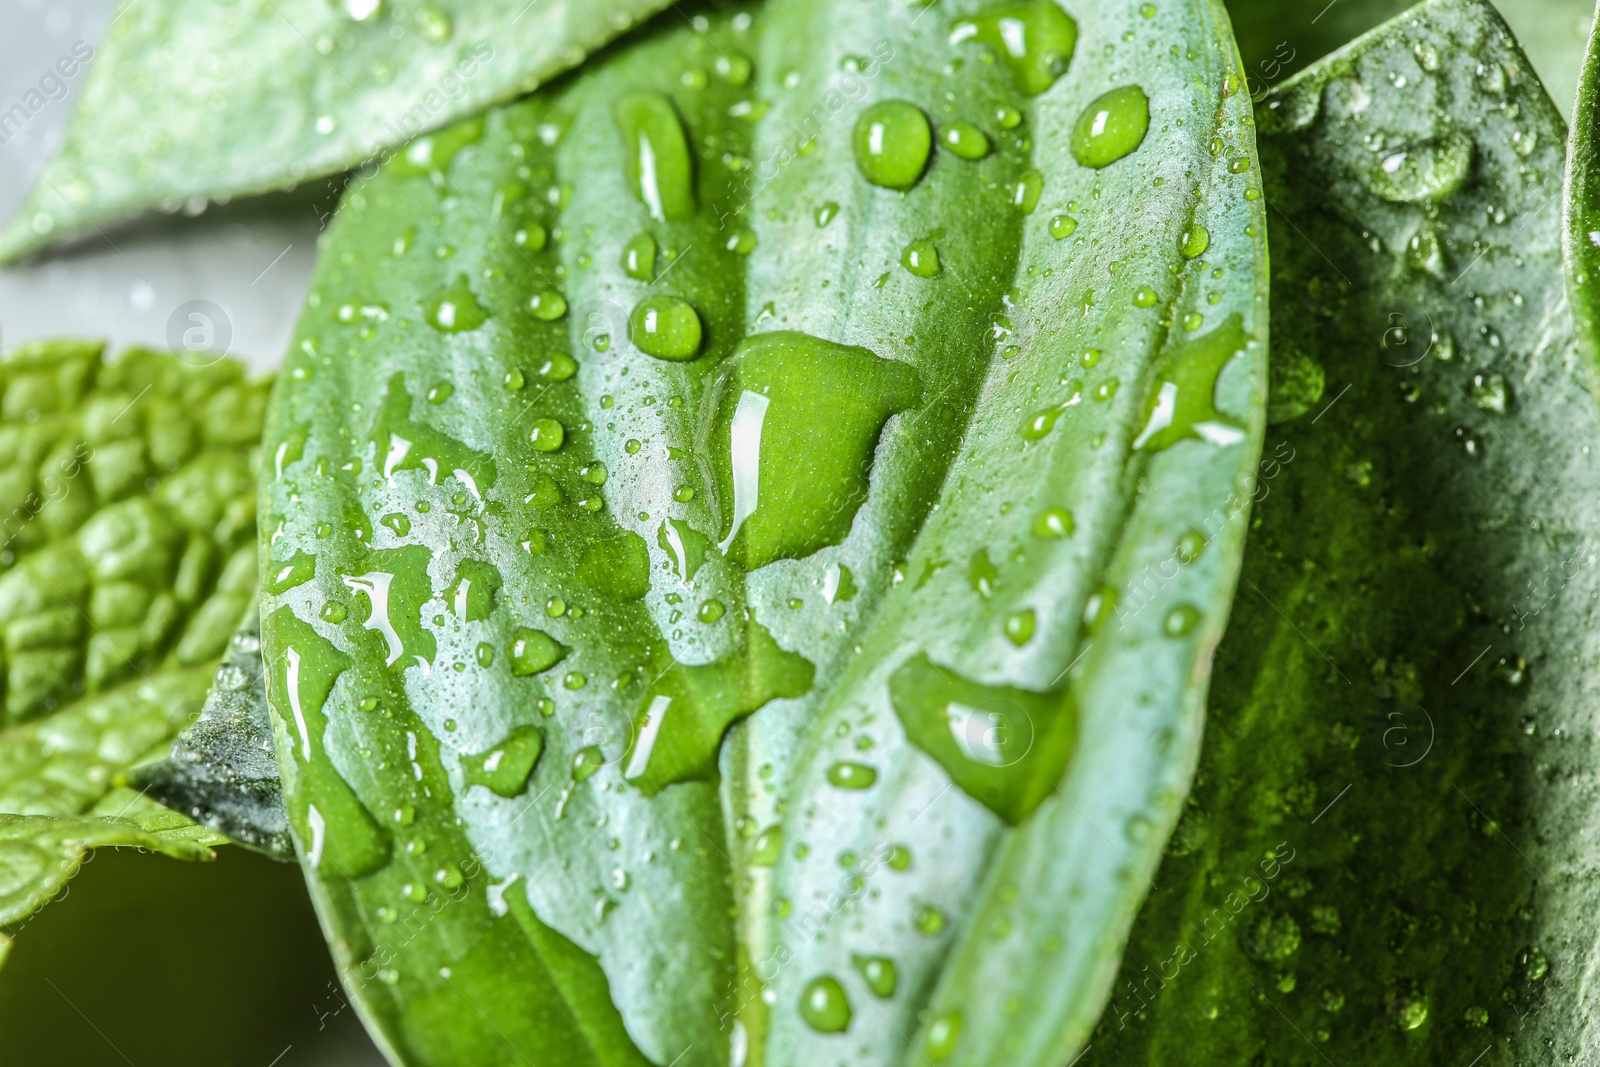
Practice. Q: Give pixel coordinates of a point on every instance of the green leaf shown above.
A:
(743, 414)
(1388, 854)
(1582, 211)
(1277, 39)
(127, 511)
(221, 770)
(188, 101)
(41, 853)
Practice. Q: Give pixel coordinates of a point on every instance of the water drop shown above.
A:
(824, 1006)
(1036, 38)
(546, 435)
(534, 651)
(1111, 127)
(639, 257)
(548, 305)
(659, 164)
(1020, 626)
(892, 142)
(921, 258)
(455, 309)
(879, 972)
(505, 769)
(1180, 620)
(585, 762)
(848, 775)
(964, 140)
(944, 1029)
(767, 847)
(1429, 171)
(666, 327)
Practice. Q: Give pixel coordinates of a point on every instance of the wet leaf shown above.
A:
(186, 101)
(846, 590)
(1388, 851)
(222, 771)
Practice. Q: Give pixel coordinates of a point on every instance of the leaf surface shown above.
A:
(1582, 207)
(188, 101)
(127, 505)
(1278, 39)
(1387, 856)
(717, 468)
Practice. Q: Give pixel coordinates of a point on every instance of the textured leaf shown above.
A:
(190, 100)
(222, 771)
(1279, 37)
(127, 506)
(39, 854)
(1388, 856)
(654, 496)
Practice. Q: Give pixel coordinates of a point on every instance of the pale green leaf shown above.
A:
(189, 101)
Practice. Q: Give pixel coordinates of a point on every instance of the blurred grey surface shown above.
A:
(137, 284)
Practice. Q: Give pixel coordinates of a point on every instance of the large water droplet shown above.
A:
(921, 258)
(504, 769)
(659, 163)
(964, 140)
(1036, 39)
(680, 721)
(1428, 171)
(666, 327)
(454, 309)
(944, 1029)
(639, 257)
(792, 446)
(824, 1006)
(1111, 127)
(534, 651)
(1004, 746)
(1182, 401)
(892, 143)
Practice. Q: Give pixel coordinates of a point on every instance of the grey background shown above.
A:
(252, 259)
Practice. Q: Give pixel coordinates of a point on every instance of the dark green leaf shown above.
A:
(1279, 37)
(1388, 854)
(221, 771)
(774, 499)
(188, 101)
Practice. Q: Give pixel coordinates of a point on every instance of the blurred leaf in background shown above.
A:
(1279, 37)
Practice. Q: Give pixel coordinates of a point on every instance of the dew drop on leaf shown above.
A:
(892, 143)
(1111, 127)
(824, 1005)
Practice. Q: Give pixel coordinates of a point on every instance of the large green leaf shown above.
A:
(659, 408)
(1388, 856)
(189, 101)
(127, 505)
